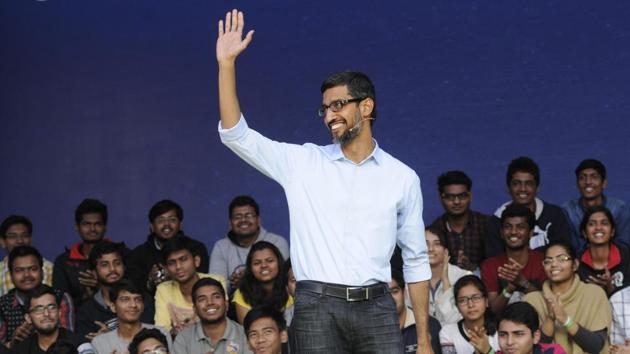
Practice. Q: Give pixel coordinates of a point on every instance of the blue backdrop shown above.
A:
(117, 100)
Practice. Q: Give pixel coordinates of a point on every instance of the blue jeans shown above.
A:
(325, 324)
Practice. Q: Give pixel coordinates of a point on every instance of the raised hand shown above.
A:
(479, 340)
(231, 42)
(511, 272)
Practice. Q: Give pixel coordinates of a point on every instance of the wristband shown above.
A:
(506, 293)
(524, 284)
(491, 351)
(568, 323)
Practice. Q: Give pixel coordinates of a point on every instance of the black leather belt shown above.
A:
(348, 293)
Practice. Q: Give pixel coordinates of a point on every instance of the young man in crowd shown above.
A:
(465, 229)
(519, 331)
(145, 261)
(173, 298)
(95, 315)
(71, 273)
(17, 230)
(266, 330)
(25, 265)
(42, 313)
(406, 319)
(149, 341)
(128, 304)
(229, 254)
(214, 333)
(523, 181)
(591, 180)
(519, 270)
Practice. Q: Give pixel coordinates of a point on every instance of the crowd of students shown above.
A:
(527, 279)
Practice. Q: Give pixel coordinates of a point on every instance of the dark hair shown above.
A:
(567, 247)
(24, 251)
(243, 200)
(523, 164)
(453, 177)
(39, 291)
(591, 163)
(179, 243)
(206, 282)
(252, 289)
(146, 333)
(514, 210)
(164, 206)
(104, 247)
(441, 235)
(90, 206)
(359, 86)
(523, 313)
(123, 285)
(264, 312)
(596, 209)
(475, 281)
(399, 277)
(15, 220)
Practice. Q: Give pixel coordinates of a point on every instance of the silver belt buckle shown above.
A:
(348, 298)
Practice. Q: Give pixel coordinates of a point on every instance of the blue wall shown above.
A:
(117, 100)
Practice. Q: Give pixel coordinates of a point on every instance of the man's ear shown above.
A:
(27, 318)
(284, 336)
(367, 107)
(537, 336)
(197, 260)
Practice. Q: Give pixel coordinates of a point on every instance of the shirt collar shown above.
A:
(201, 335)
(335, 153)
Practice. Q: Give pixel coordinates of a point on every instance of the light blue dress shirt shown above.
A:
(346, 218)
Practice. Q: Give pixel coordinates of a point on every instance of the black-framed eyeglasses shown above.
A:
(464, 300)
(337, 105)
(39, 310)
(562, 258)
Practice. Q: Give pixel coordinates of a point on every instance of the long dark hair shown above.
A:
(253, 291)
(489, 319)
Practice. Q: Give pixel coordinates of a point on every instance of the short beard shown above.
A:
(351, 133)
(46, 331)
(240, 236)
(212, 322)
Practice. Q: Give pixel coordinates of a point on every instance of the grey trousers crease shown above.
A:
(324, 324)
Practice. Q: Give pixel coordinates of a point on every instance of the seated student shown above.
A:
(42, 313)
(591, 182)
(228, 254)
(128, 305)
(476, 332)
(71, 273)
(173, 298)
(149, 340)
(145, 263)
(604, 262)
(95, 316)
(214, 333)
(574, 314)
(25, 265)
(464, 229)
(523, 180)
(519, 270)
(291, 284)
(17, 230)
(441, 300)
(407, 320)
(263, 284)
(620, 327)
(519, 332)
(266, 330)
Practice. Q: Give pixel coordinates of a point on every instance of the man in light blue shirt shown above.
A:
(350, 204)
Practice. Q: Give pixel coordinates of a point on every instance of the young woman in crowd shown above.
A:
(441, 299)
(264, 282)
(603, 262)
(476, 331)
(574, 314)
